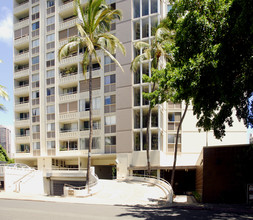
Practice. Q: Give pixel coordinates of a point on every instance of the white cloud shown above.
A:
(6, 25)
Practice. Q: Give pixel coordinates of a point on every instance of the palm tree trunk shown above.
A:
(175, 152)
(91, 125)
(147, 135)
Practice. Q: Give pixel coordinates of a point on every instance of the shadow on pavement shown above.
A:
(176, 211)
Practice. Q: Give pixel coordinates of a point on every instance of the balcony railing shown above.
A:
(68, 23)
(21, 23)
(21, 6)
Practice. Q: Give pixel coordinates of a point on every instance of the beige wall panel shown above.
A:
(125, 59)
(124, 98)
(124, 142)
(124, 119)
(126, 6)
(124, 32)
(124, 78)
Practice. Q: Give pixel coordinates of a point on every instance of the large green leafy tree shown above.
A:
(93, 26)
(213, 59)
(3, 156)
(156, 53)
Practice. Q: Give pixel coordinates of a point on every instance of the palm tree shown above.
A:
(157, 54)
(93, 26)
(4, 95)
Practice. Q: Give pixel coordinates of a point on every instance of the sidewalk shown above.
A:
(112, 192)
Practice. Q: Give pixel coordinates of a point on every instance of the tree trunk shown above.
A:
(147, 135)
(175, 152)
(91, 125)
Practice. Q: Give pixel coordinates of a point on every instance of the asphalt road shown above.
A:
(26, 210)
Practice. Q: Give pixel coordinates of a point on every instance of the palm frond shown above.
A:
(66, 49)
(141, 45)
(3, 93)
(112, 57)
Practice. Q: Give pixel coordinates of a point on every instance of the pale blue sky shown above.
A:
(6, 55)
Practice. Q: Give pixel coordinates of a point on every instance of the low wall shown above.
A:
(21, 180)
(164, 185)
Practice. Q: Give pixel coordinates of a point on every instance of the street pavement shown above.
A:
(116, 200)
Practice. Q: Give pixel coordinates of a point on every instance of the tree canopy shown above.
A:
(3, 156)
(213, 60)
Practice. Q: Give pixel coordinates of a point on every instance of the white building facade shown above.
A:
(52, 105)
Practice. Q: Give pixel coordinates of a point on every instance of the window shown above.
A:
(50, 59)
(50, 91)
(108, 60)
(96, 103)
(51, 127)
(169, 7)
(35, 77)
(35, 26)
(145, 27)
(24, 116)
(36, 128)
(110, 79)
(50, 56)
(145, 7)
(50, 144)
(50, 109)
(35, 94)
(35, 111)
(171, 138)
(110, 120)
(136, 8)
(68, 107)
(96, 125)
(110, 100)
(50, 74)
(84, 143)
(50, 38)
(110, 140)
(136, 30)
(50, 3)
(35, 9)
(70, 90)
(154, 6)
(50, 20)
(35, 60)
(137, 141)
(85, 104)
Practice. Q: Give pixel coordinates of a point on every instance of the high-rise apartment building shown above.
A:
(5, 139)
(52, 105)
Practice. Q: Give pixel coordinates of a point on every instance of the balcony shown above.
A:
(21, 23)
(68, 97)
(68, 116)
(85, 114)
(66, 6)
(22, 56)
(21, 90)
(21, 7)
(68, 78)
(21, 41)
(20, 106)
(71, 59)
(68, 23)
(22, 122)
(23, 138)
